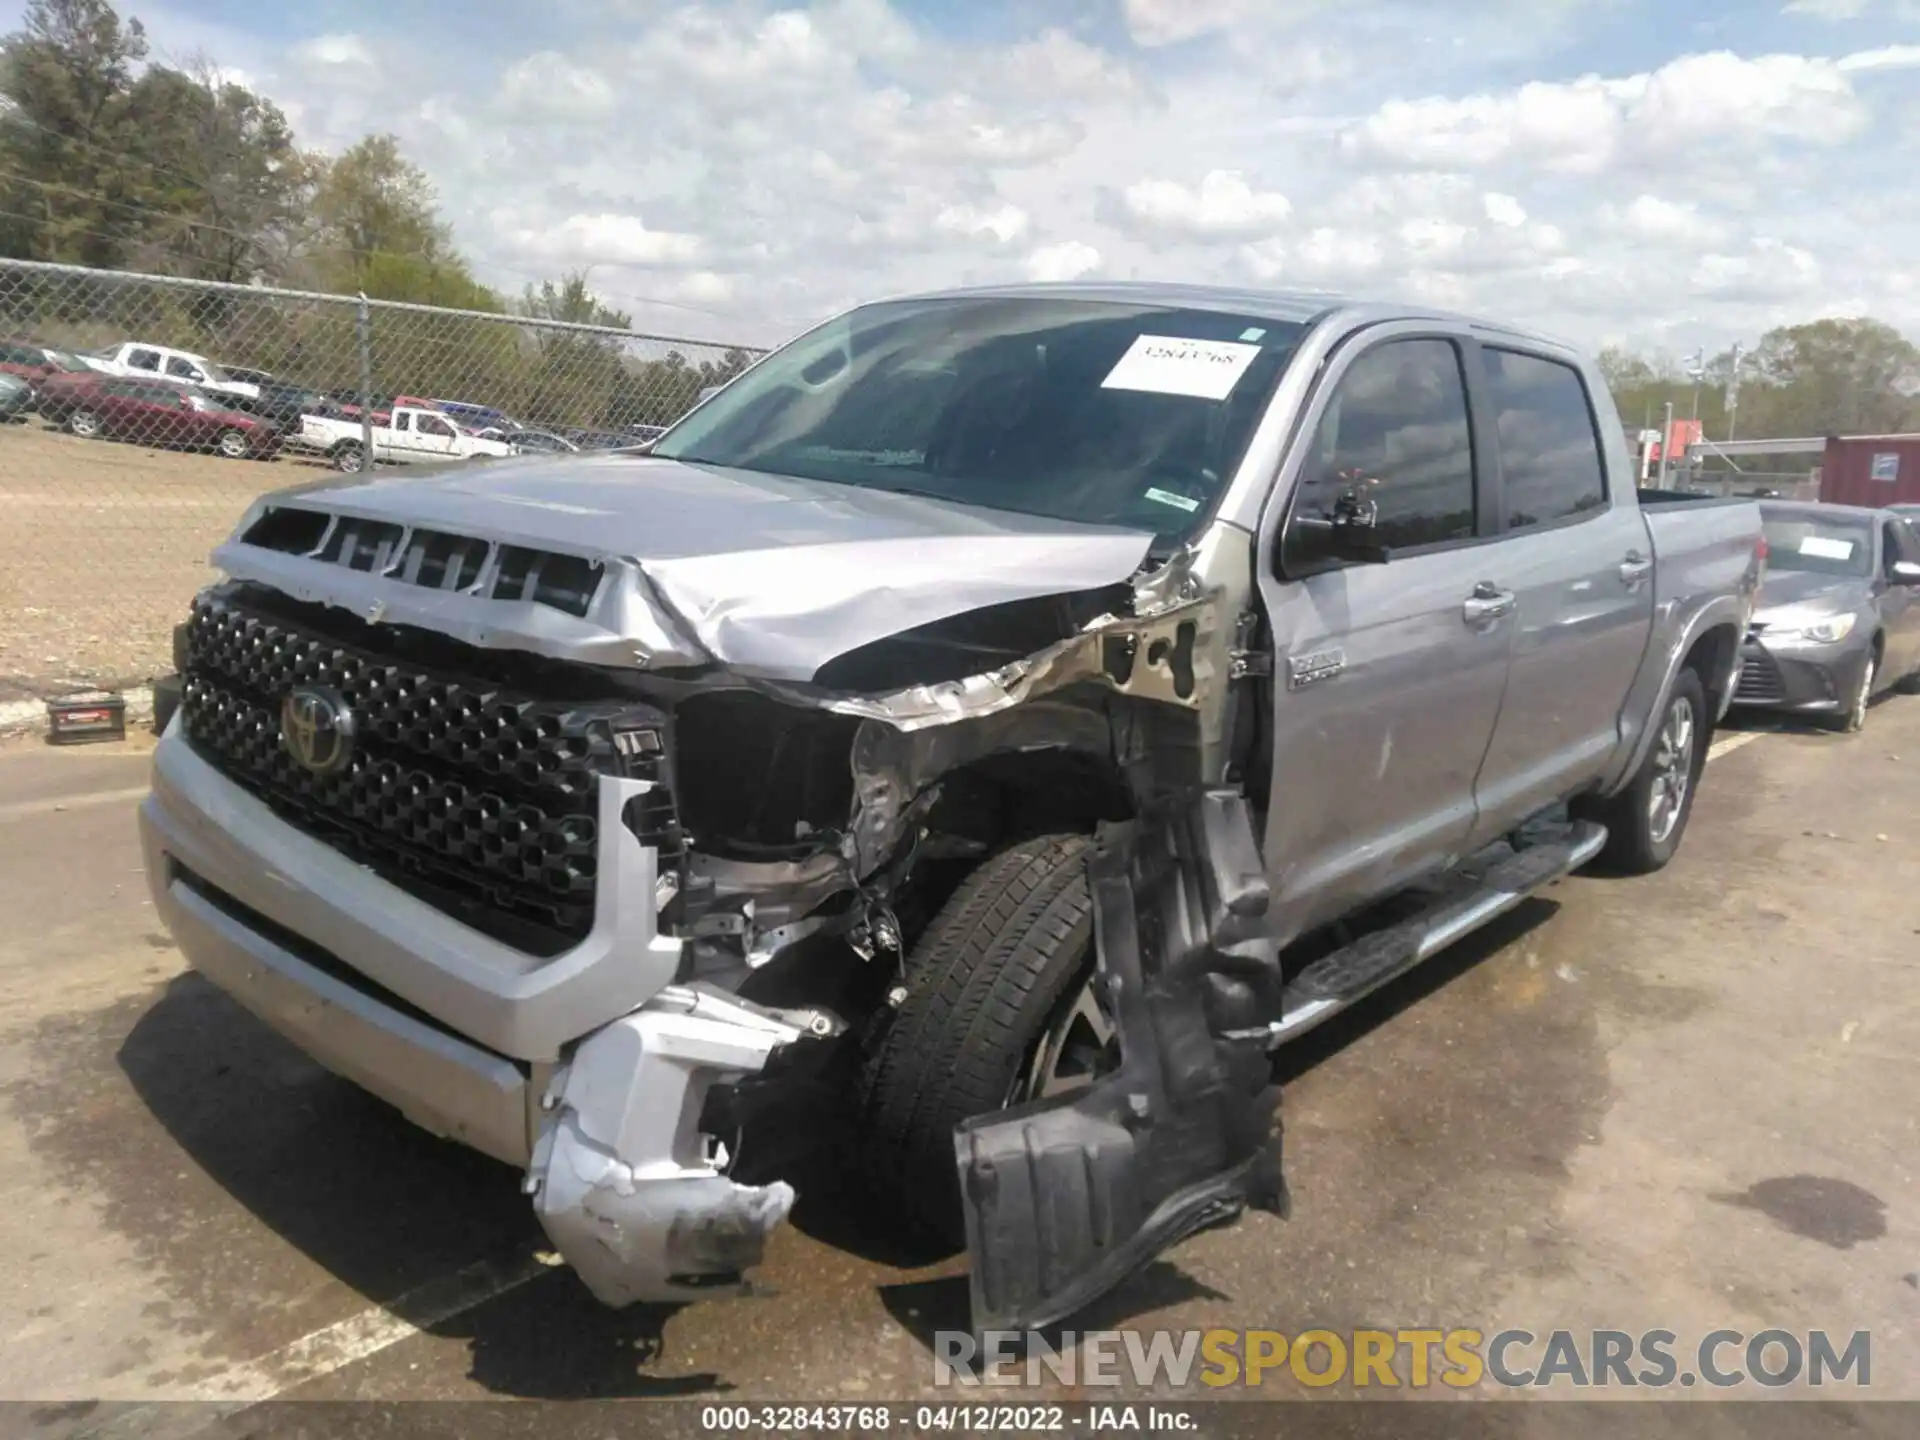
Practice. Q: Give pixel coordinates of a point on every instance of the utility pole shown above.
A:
(1666, 448)
(1697, 370)
(1733, 392)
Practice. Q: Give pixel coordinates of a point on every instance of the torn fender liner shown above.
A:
(1066, 1197)
(624, 1182)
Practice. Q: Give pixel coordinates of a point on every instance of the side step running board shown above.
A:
(1333, 982)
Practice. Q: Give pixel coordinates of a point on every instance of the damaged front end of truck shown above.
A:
(775, 771)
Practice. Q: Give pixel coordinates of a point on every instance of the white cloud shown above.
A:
(547, 84)
(1588, 125)
(1769, 270)
(349, 51)
(1225, 207)
(1650, 217)
(1887, 57)
(586, 240)
(789, 157)
(1829, 9)
(1066, 260)
(1001, 223)
(1166, 22)
(1503, 209)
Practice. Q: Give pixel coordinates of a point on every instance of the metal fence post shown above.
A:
(364, 325)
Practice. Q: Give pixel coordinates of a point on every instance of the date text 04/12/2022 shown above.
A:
(960, 1419)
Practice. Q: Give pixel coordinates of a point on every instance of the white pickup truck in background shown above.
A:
(409, 436)
(133, 360)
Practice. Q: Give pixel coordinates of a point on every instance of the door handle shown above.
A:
(1635, 568)
(1487, 604)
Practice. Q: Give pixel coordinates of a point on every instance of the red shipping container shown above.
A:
(1871, 470)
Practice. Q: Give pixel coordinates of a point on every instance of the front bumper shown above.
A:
(1799, 678)
(588, 1069)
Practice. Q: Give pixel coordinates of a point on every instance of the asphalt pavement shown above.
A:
(1685, 1102)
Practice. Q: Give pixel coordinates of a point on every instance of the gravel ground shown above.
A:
(104, 545)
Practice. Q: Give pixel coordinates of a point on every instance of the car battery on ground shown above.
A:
(88, 716)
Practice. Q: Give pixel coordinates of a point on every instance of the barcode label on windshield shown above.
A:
(1821, 548)
(1167, 365)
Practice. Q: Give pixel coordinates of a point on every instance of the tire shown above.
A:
(1004, 953)
(233, 444)
(347, 458)
(1639, 839)
(85, 424)
(1853, 719)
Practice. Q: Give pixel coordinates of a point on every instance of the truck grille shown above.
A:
(1759, 682)
(470, 794)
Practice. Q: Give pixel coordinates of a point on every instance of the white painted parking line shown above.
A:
(1728, 743)
(336, 1346)
(238, 1388)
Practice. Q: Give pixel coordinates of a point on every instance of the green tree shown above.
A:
(235, 184)
(1831, 377)
(376, 229)
(71, 154)
(575, 373)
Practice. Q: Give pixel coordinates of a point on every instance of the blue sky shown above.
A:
(1663, 176)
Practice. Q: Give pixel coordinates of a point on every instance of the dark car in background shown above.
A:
(1838, 617)
(281, 401)
(154, 412)
(599, 439)
(16, 398)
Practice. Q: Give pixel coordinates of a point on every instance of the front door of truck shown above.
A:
(1576, 556)
(1387, 675)
(435, 437)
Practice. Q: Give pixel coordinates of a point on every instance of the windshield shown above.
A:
(67, 361)
(1817, 544)
(1109, 413)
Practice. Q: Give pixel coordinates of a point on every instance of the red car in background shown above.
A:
(153, 412)
(34, 363)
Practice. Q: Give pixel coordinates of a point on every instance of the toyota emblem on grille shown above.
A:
(317, 728)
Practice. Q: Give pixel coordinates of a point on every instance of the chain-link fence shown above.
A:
(140, 414)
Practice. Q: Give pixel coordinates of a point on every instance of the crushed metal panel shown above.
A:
(784, 613)
(1066, 1198)
(1175, 648)
(627, 1188)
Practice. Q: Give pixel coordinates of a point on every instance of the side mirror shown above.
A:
(1905, 572)
(1349, 534)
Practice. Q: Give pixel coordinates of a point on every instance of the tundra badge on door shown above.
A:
(1304, 670)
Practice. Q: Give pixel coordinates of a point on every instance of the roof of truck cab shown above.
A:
(1299, 306)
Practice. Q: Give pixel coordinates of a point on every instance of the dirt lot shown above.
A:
(104, 545)
(1680, 1103)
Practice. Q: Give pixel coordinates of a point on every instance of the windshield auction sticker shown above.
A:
(1166, 365)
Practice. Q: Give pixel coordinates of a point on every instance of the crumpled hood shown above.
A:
(773, 576)
(1800, 593)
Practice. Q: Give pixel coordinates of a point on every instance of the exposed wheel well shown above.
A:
(1010, 795)
(1712, 659)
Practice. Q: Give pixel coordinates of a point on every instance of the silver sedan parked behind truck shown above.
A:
(1838, 620)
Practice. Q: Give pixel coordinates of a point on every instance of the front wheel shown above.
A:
(994, 1012)
(85, 424)
(1646, 820)
(233, 444)
(1853, 719)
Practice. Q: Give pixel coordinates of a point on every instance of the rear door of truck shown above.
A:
(1578, 562)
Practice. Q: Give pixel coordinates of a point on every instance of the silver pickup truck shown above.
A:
(1020, 708)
